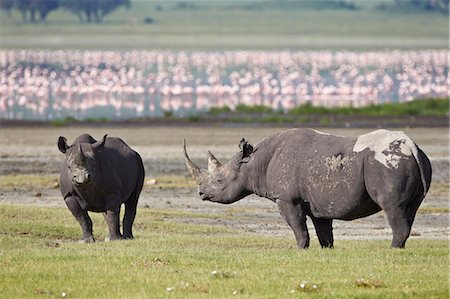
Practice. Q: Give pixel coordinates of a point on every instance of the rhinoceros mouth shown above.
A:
(205, 197)
(82, 184)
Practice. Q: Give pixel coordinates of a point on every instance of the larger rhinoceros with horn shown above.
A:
(325, 177)
(99, 176)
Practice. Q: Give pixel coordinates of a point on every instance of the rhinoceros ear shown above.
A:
(99, 144)
(62, 144)
(246, 149)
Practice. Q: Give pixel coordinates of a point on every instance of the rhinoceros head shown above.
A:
(222, 183)
(80, 160)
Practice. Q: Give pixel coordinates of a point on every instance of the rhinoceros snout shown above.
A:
(202, 195)
(80, 179)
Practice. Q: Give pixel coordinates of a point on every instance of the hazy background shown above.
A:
(114, 59)
(234, 24)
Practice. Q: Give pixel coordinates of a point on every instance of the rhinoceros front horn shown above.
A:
(80, 158)
(193, 169)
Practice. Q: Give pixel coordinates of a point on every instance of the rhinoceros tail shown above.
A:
(421, 160)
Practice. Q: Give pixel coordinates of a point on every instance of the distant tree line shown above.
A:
(94, 11)
(35, 11)
(439, 5)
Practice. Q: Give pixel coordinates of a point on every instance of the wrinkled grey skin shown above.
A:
(99, 176)
(308, 173)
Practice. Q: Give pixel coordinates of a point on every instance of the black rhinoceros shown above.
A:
(325, 177)
(99, 176)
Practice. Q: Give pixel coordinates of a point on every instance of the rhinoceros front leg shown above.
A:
(296, 218)
(324, 231)
(82, 218)
(112, 220)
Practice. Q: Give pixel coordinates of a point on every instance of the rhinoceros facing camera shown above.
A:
(99, 176)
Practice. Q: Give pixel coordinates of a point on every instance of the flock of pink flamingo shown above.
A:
(41, 84)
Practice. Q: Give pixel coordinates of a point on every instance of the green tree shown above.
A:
(34, 10)
(433, 5)
(7, 6)
(45, 7)
(24, 6)
(93, 10)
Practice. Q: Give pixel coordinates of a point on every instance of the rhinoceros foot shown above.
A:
(87, 240)
(113, 238)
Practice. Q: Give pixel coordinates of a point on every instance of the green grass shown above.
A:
(167, 259)
(424, 107)
(241, 108)
(63, 121)
(219, 25)
(301, 114)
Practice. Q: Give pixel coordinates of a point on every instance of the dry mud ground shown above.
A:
(33, 150)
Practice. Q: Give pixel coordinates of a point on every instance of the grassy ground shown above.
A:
(232, 25)
(167, 259)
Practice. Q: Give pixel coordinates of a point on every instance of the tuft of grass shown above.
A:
(39, 256)
(63, 121)
(241, 108)
(194, 118)
(97, 119)
(168, 114)
(219, 110)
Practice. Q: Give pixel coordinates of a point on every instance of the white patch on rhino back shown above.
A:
(389, 146)
(325, 133)
(321, 133)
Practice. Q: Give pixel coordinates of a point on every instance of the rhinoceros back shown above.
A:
(120, 166)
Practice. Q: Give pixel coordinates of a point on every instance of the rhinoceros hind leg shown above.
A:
(400, 225)
(112, 220)
(128, 218)
(296, 218)
(130, 208)
(82, 218)
(324, 231)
